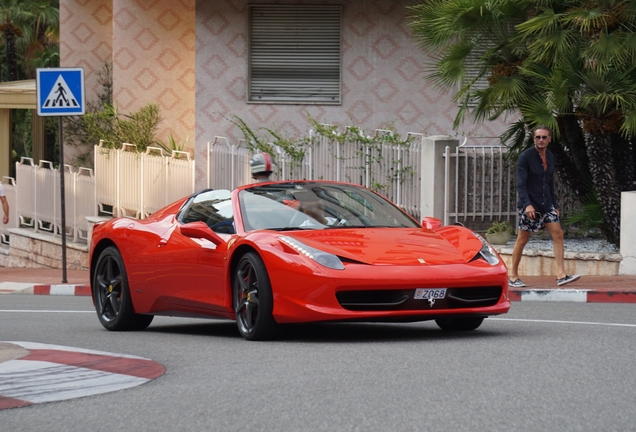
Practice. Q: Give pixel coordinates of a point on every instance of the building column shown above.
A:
(432, 174)
(5, 142)
(628, 233)
(37, 140)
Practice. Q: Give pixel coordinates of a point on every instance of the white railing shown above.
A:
(35, 200)
(138, 184)
(478, 181)
(484, 185)
(480, 186)
(125, 183)
(391, 169)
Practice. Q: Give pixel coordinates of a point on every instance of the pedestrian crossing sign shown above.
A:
(60, 91)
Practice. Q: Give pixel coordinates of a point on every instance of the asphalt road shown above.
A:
(543, 366)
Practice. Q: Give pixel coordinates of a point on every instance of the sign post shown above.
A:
(60, 92)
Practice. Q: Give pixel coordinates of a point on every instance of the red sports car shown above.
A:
(290, 252)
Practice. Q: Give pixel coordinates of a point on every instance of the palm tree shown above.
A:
(30, 30)
(565, 63)
(13, 16)
(40, 44)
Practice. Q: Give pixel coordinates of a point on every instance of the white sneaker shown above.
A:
(567, 279)
(516, 284)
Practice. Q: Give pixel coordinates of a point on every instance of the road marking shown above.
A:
(563, 322)
(43, 311)
(52, 373)
(43, 381)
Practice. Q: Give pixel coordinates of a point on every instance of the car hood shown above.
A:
(395, 246)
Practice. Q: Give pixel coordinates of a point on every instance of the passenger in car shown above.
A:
(261, 167)
(316, 210)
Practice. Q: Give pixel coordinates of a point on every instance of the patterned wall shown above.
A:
(151, 44)
(86, 36)
(383, 80)
(153, 61)
(191, 58)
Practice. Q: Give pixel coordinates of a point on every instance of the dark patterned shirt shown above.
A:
(534, 184)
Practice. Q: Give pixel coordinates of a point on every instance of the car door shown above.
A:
(192, 270)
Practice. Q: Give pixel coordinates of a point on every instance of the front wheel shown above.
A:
(112, 294)
(252, 299)
(459, 324)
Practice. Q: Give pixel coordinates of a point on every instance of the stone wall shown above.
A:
(38, 250)
(538, 262)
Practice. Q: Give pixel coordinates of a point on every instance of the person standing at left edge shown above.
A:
(5, 205)
(537, 205)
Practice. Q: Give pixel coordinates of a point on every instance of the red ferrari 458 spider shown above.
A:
(289, 252)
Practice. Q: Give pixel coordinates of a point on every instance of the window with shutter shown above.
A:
(295, 54)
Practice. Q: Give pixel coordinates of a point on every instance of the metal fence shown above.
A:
(390, 169)
(480, 187)
(478, 180)
(135, 184)
(35, 201)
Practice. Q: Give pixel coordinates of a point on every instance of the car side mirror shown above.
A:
(431, 223)
(201, 230)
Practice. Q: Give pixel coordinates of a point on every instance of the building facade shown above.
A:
(350, 62)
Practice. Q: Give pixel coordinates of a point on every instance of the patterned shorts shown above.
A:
(535, 225)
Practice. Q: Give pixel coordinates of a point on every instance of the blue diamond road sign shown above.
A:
(60, 91)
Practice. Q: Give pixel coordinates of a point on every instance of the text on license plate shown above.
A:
(429, 293)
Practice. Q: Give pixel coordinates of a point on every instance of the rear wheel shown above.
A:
(459, 324)
(252, 299)
(112, 294)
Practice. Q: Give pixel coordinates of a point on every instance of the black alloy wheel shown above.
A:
(112, 296)
(252, 299)
(459, 324)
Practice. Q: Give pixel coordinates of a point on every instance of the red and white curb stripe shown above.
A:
(59, 289)
(78, 290)
(570, 295)
(53, 373)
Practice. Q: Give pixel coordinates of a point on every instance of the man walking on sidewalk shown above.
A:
(537, 204)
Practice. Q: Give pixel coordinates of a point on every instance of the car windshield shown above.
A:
(317, 205)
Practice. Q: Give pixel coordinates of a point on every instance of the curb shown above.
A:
(570, 295)
(59, 289)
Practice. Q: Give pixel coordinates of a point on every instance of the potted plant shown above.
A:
(499, 233)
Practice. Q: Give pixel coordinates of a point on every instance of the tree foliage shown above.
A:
(104, 122)
(30, 37)
(568, 64)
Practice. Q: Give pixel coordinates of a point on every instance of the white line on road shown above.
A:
(44, 311)
(563, 322)
(490, 319)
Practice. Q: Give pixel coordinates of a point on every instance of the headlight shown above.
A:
(321, 257)
(487, 252)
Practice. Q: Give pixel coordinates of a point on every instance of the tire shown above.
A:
(111, 294)
(459, 324)
(252, 299)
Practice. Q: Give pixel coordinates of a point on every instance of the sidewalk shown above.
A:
(43, 281)
(597, 289)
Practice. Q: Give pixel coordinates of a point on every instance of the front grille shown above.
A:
(402, 300)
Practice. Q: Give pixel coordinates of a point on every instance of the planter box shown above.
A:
(500, 238)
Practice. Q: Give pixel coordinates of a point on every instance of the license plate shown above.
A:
(429, 293)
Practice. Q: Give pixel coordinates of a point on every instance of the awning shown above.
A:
(18, 95)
